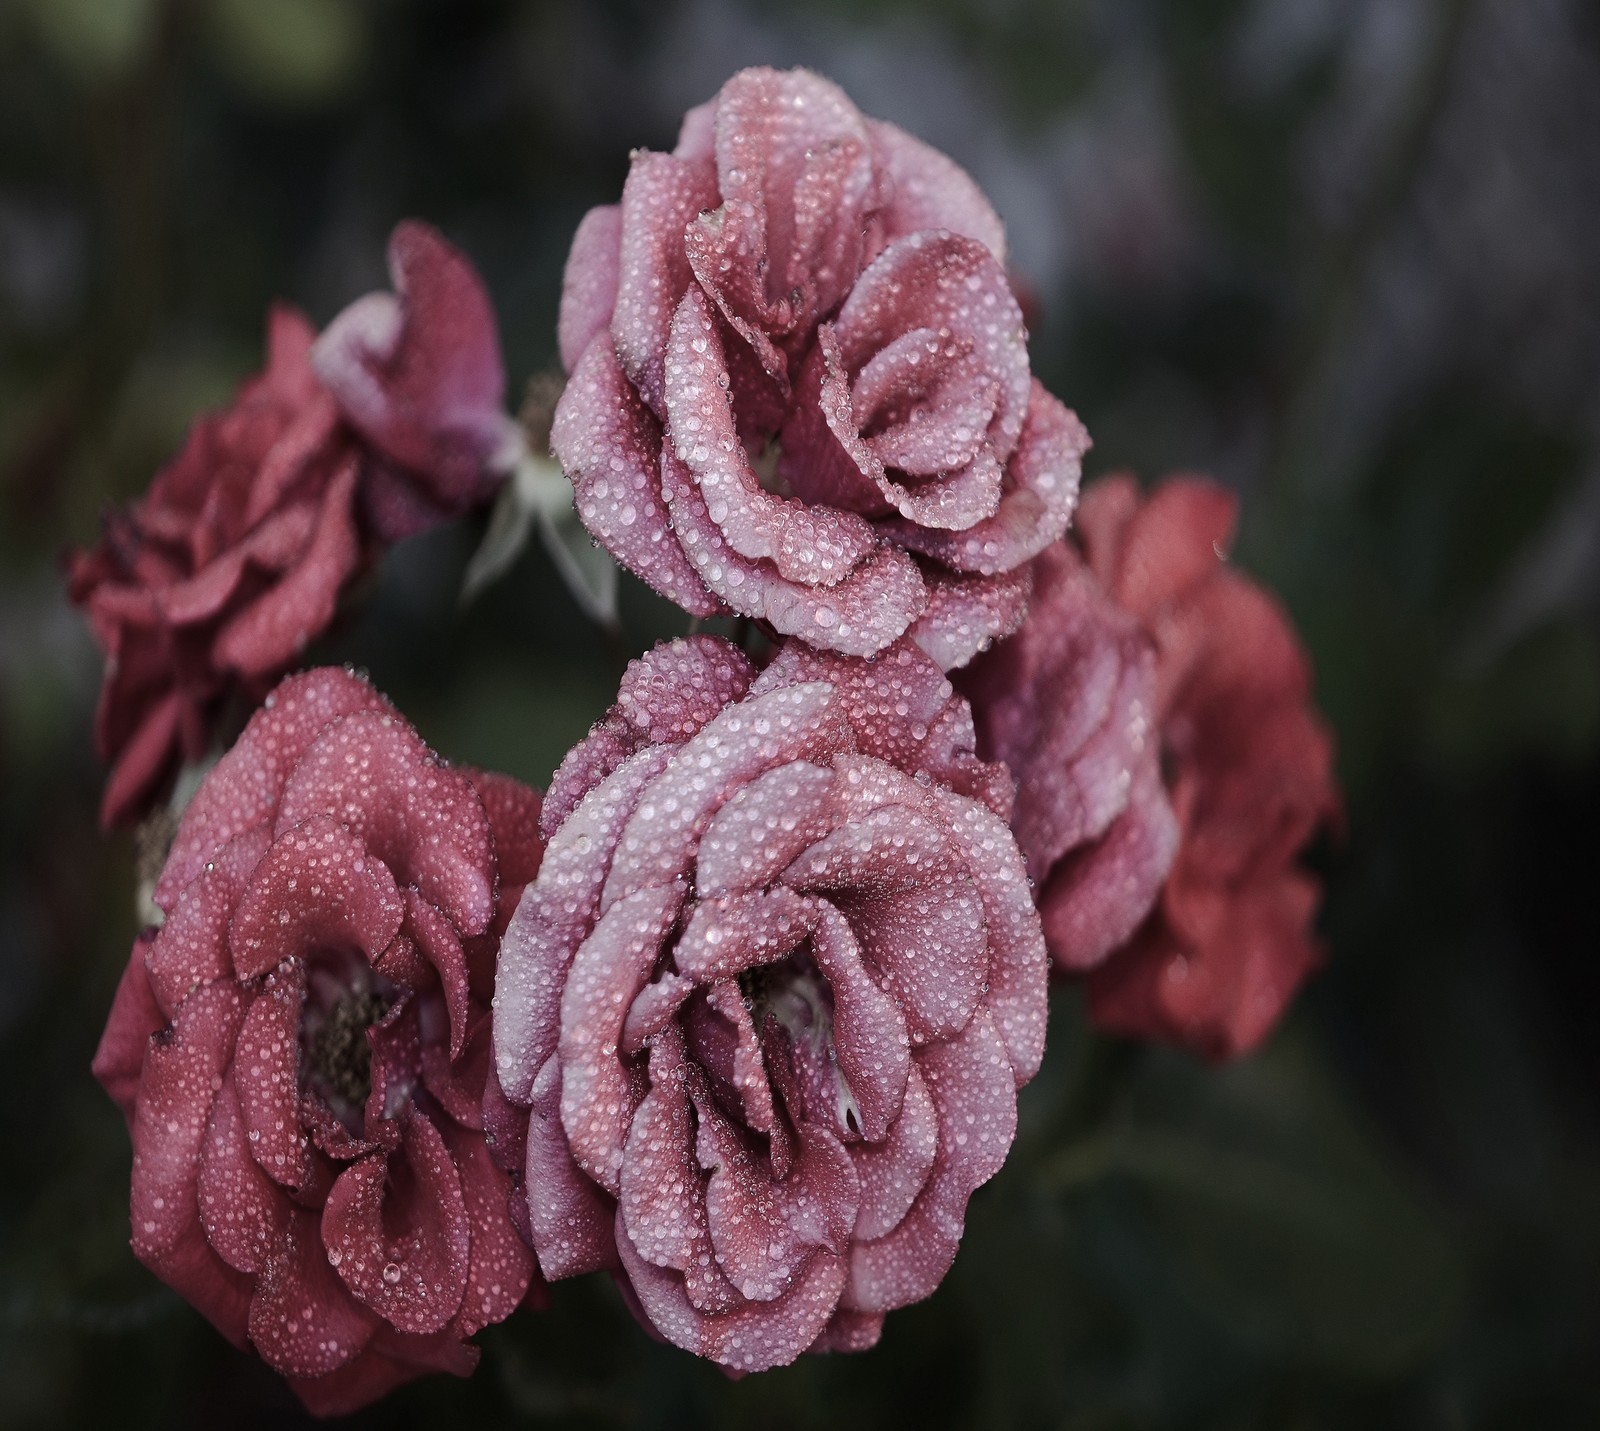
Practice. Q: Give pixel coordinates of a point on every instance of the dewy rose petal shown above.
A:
(799, 381)
(302, 1048)
(768, 1002)
(1156, 710)
(212, 584)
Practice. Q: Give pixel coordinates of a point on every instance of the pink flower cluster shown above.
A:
(213, 583)
(764, 992)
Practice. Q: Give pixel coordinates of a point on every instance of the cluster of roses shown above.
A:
(738, 1011)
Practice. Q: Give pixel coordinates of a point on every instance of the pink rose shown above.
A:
(302, 1048)
(799, 381)
(1068, 704)
(211, 585)
(771, 997)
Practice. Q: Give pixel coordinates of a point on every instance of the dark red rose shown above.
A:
(799, 381)
(1156, 708)
(302, 1048)
(771, 997)
(212, 584)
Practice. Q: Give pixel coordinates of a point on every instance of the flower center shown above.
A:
(338, 1054)
(796, 996)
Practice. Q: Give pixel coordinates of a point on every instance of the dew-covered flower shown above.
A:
(799, 380)
(1068, 704)
(1156, 710)
(771, 997)
(211, 585)
(302, 1047)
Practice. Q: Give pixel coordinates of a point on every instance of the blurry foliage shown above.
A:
(1386, 1219)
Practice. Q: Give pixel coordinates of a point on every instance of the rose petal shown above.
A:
(276, 627)
(1097, 897)
(243, 788)
(589, 284)
(182, 1070)
(894, 1168)
(135, 1016)
(973, 1091)
(570, 1218)
(316, 887)
(658, 842)
(425, 822)
(661, 1207)
(1036, 506)
(268, 1061)
(967, 614)
(1019, 966)
(608, 970)
(500, 1266)
(859, 616)
(419, 372)
(240, 1207)
(609, 445)
(397, 1232)
(913, 908)
(930, 191)
(766, 824)
(555, 913)
(662, 195)
(302, 1320)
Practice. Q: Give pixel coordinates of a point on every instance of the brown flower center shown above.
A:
(338, 1054)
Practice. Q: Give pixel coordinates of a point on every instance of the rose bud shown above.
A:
(799, 381)
(1156, 710)
(771, 997)
(302, 1048)
(212, 584)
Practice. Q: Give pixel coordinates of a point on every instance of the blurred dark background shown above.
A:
(1344, 254)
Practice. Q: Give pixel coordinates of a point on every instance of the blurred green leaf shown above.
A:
(96, 40)
(292, 52)
(1282, 1219)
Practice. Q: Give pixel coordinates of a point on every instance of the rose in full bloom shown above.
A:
(211, 585)
(1156, 709)
(799, 380)
(771, 997)
(302, 1048)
